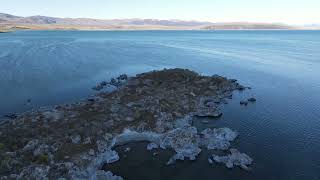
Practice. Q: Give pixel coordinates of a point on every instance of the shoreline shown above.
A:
(158, 107)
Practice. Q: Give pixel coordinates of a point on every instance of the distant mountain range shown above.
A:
(244, 25)
(8, 21)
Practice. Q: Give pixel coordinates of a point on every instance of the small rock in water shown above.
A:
(127, 149)
(252, 99)
(244, 102)
(152, 146)
(241, 88)
(174, 158)
(210, 160)
(235, 158)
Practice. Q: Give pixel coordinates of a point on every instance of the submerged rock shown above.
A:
(176, 157)
(235, 158)
(152, 146)
(127, 149)
(252, 99)
(244, 102)
(103, 175)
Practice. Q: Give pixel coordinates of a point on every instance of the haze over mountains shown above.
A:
(44, 22)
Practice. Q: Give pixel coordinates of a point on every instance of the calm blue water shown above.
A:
(281, 131)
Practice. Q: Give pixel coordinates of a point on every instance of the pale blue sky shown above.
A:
(286, 11)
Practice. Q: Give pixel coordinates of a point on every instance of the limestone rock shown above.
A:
(152, 146)
(103, 175)
(235, 158)
(219, 138)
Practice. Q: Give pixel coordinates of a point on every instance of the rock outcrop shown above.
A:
(235, 158)
(73, 141)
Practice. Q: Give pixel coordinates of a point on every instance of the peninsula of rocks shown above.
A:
(74, 141)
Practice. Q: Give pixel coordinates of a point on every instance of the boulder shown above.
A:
(152, 146)
(244, 102)
(252, 99)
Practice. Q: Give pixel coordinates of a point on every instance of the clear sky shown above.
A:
(285, 11)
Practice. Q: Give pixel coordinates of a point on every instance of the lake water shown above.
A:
(281, 131)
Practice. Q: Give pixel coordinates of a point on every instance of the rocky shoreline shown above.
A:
(74, 141)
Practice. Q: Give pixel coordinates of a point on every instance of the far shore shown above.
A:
(10, 28)
(3, 31)
(151, 29)
(8, 21)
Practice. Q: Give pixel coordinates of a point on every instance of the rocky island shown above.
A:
(74, 141)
